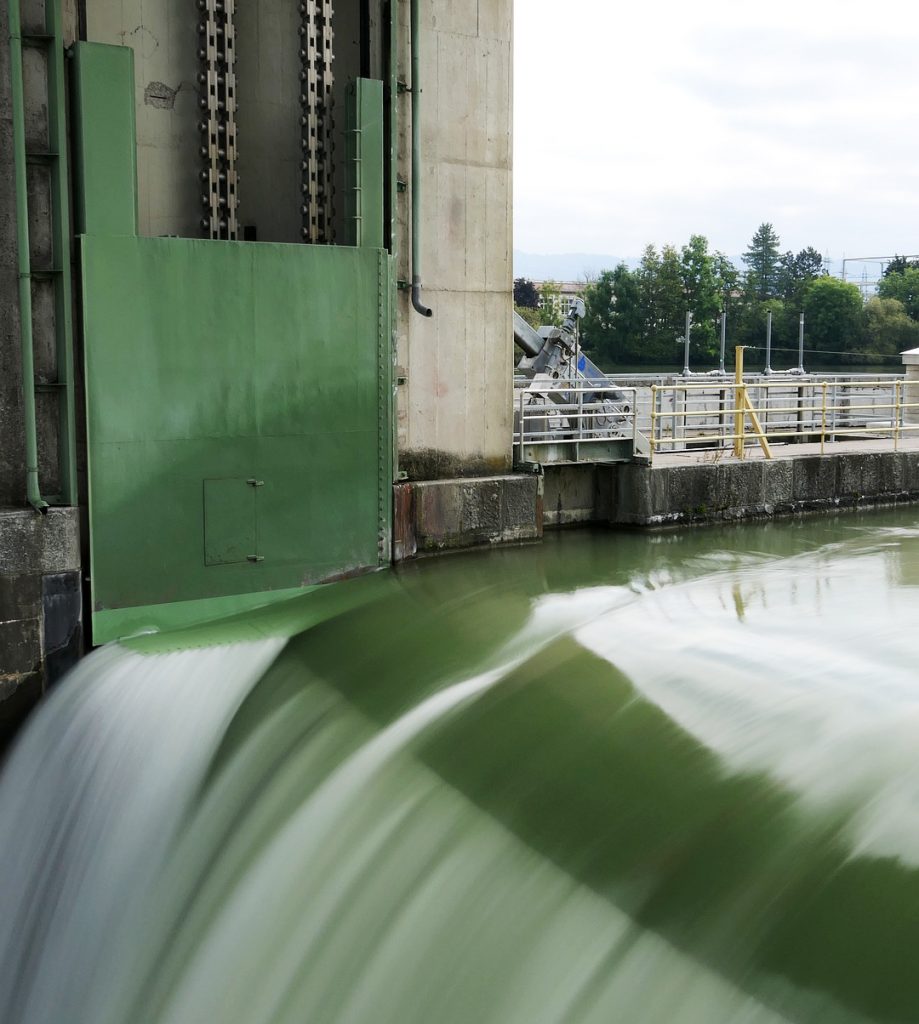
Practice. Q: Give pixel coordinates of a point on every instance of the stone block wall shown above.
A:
(41, 632)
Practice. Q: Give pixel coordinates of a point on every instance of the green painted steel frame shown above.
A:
(104, 133)
(52, 42)
(61, 242)
(365, 196)
(211, 367)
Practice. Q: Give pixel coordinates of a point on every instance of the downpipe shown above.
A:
(418, 305)
(33, 489)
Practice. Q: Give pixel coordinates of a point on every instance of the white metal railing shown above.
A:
(699, 415)
(580, 421)
(558, 421)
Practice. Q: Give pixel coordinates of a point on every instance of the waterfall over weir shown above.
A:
(613, 778)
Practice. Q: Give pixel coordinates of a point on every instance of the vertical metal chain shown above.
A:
(217, 78)
(316, 120)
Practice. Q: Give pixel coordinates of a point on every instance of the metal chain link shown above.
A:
(217, 78)
(317, 120)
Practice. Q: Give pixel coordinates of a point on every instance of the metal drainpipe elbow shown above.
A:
(418, 305)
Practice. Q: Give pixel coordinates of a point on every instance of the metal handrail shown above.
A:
(579, 426)
(821, 408)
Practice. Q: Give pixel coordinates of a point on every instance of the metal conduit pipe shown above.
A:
(419, 306)
(33, 489)
(528, 339)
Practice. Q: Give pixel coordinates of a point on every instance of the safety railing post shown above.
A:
(520, 432)
(896, 427)
(738, 403)
(634, 419)
(834, 409)
(722, 422)
(823, 421)
(654, 418)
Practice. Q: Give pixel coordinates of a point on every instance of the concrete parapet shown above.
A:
(712, 492)
(41, 632)
(438, 515)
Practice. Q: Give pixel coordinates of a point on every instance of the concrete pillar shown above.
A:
(455, 407)
(911, 389)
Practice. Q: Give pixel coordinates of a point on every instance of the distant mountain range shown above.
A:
(575, 266)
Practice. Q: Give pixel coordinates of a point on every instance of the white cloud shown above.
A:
(639, 123)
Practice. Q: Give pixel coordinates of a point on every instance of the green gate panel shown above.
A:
(239, 418)
(105, 145)
(230, 525)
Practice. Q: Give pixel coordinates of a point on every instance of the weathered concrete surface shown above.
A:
(711, 492)
(439, 515)
(164, 39)
(577, 494)
(455, 412)
(41, 633)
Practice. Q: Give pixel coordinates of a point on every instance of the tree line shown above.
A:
(638, 316)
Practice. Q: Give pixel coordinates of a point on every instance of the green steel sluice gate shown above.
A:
(238, 392)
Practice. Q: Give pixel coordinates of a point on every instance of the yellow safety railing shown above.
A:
(814, 409)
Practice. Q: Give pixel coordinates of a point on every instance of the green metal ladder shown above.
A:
(58, 274)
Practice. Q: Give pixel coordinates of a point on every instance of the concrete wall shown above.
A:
(704, 493)
(440, 515)
(40, 607)
(164, 38)
(455, 415)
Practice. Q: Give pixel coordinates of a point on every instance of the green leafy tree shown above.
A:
(551, 307)
(534, 317)
(727, 278)
(898, 265)
(647, 278)
(762, 262)
(888, 328)
(904, 287)
(747, 326)
(599, 323)
(796, 271)
(834, 316)
(671, 304)
(702, 293)
(612, 328)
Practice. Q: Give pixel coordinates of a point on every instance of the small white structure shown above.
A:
(911, 390)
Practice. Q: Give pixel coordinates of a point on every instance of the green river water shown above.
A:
(616, 777)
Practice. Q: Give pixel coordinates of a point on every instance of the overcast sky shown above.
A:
(647, 121)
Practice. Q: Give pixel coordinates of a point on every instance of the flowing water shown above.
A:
(612, 778)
